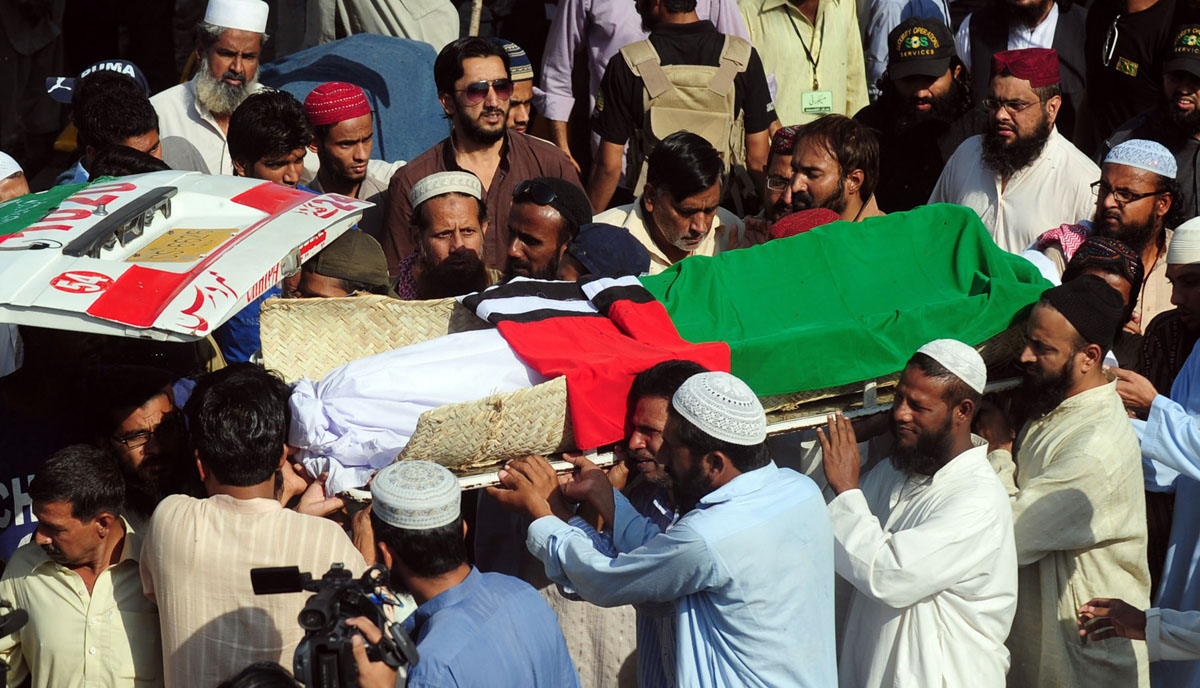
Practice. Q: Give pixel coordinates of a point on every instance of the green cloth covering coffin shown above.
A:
(849, 302)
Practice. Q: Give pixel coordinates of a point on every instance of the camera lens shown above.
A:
(312, 619)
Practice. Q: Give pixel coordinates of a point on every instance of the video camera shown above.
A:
(325, 658)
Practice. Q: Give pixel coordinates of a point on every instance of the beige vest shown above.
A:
(684, 97)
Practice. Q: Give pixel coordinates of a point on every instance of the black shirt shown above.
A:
(619, 103)
(1132, 81)
(911, 161)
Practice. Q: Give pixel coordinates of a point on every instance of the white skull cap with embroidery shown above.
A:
(1143, 154)
(8, 166)
(415, 495)
(1184, 248)
(242, 15)
(440, 183)
(722, 406)
(961, 359)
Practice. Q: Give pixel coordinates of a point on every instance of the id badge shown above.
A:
(816, 102)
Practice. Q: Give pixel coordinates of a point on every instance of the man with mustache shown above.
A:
(678, 213)
(927, 538)
(923, 114)
(835, 166)
(1019, 24)
(778, 176)
(546, 214)
(228, 43)
(1031, 176)
(520, 105)
(449, 220)
(1136, 205)
(80, 582)
(1175, 121)
(474, 87)
(1078, 501)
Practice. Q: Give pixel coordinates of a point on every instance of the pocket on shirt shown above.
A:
(143, 664)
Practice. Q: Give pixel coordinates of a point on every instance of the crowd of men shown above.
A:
(1042, 536)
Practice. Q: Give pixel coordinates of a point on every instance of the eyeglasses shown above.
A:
(775, 183)
(1121, 196)
(478, 90)
(1012, 106)
(1110, 42)
(535, 191)
(139, 439)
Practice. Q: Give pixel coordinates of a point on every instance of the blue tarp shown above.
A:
(397, 75)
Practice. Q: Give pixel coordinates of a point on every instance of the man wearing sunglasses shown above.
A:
(1032, 177)
(474, 87)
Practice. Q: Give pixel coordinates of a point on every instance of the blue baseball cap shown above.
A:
(62, 88)
(609, 251)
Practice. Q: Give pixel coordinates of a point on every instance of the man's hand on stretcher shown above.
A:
(531, 487)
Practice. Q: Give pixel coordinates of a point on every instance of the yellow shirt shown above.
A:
(107, 639)
(632, 218)
(1079, 513)
(780, 33)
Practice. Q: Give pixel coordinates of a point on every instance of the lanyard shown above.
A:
(817, 33)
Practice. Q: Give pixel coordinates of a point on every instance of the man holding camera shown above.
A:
(471, 628)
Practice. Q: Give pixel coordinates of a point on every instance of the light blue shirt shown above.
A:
(1170, 439)
(750, 570)
(878, 18)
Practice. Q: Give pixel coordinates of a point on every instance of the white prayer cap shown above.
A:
(961, 359)
(1184, 248)
(440, 183)
(243, 15)
(415, 495)
(722, 406)
(8, 166)
(1151, 156)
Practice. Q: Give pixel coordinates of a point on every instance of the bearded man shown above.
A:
(1031, 175)
(228, 43)
(1175, 121)
(546, 215)
(923, 114)
(449, 221)
(927, 540)
(1078, 501)
(1136, 204)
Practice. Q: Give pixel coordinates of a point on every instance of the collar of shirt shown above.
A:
(1040, 36)
(744, 484)
(130, 550)
(450, 156)
(447, 598)
(1092, 397)
(961, 463)
(258, 505)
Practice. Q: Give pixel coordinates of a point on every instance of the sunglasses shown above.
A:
(535, 191)
(478, 90)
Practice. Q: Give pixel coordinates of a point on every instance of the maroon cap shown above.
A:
(1038, 66)
(784, 140)
(801, 221)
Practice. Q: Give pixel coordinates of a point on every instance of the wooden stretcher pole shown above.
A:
(476, 14)
(791, 425)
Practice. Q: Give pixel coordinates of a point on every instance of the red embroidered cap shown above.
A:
(335, 101)
(1038, 66)
(801, 221)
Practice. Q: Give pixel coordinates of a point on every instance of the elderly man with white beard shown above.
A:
(228, 43)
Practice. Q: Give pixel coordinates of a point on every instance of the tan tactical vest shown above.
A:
(685, 97)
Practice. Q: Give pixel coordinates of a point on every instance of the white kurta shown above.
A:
(179, 114)
(1052, 190)
(1079, 511)
(934, 568)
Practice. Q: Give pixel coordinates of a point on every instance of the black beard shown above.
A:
(396, 583)
(1135, 235)
(461, 272)
(803, 200)
(1042, 395)
(904, 113)
(929, 454)
(690, 488)
(1188, 123)
(471, 128)
(547, 273)
(1025, 17)
(1005, 159)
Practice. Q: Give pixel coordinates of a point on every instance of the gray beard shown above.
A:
(217, 96)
